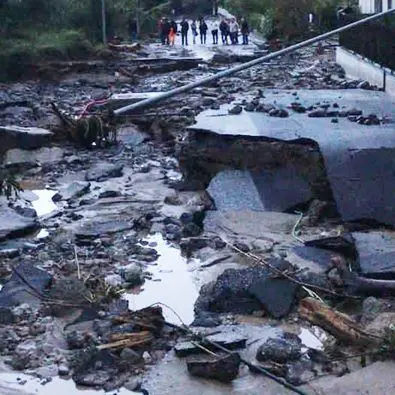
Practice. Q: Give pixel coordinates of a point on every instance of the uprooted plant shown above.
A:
(8, 184)
(89, 130)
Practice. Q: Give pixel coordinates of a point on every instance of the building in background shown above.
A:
(374, 6)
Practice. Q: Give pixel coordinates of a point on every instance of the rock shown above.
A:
(249, 107)
(265, 107)
(236, 110)
(262, 245)
(208, 101)
(277, 295)
(24, 355)
(297, 107)
(379, 326)
(77, 339)
(131, 357)
(231, 292)
(206, 320)
(230, 340)
(280, 350)
(188, 246)
(147, 357)
(371, 308)
(74, 160)
(223, 369)
(13, 224)
(334, 120)
(242, 246)
(63, 370)
(132, 274)
(191, 230)
(318, 114)
(300, 372)
(26, 211)
(31, 158)
(109, 194)
(16, 291)
(103, 171)
(72, 191)
(93, 230)
(114, 280)
(133, 384)
(9, 253)
(364, 85)
(354, 112)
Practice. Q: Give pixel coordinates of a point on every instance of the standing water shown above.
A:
(23, 384)
(171, 284)
(43, 204)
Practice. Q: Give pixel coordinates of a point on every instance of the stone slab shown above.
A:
(376, 253)
(23, 137)
(42, 155)
(12, 224)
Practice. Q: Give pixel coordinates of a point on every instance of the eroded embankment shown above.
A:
(277, 165)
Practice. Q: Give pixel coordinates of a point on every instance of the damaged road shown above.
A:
(194, 223)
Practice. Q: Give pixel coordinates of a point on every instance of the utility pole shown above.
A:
(103, 21)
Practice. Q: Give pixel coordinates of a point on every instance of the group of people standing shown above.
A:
(229, 28)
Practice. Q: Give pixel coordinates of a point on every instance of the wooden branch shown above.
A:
(337, 324)
(128, 342)
(359, 285)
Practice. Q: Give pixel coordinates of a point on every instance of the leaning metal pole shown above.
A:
(165, 95)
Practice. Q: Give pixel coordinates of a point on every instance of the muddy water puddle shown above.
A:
(171, 284)
(22, 384)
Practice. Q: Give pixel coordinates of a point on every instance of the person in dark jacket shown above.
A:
(165, 30)
(203, 31)
(173, 24)
(224, 29)
(245, 30)
(184, 31)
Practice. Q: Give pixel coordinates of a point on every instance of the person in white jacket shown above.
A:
(234, 31)
(214, 31)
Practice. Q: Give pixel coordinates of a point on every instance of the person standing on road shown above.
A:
(203, 31)
(184, 31)
(165, 32)
(194, 31)
(223, 27)
(234, 31)
(245, 30)
(173, 24)
(172, 36)
(214, 32)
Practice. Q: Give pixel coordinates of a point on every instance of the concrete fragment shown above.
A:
(223, 369)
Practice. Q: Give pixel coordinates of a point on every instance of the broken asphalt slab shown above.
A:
(358, 158)
(243, 291)
(26, 285)
(224, 369)
(13, 225)
(276, 190)
(376, 253)
(232, 341)
(23, 137)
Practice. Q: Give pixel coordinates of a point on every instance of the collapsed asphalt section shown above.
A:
(357, 156)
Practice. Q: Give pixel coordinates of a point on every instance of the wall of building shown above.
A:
(361, 68)
(372, 6)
